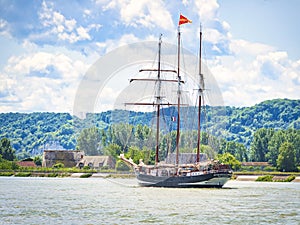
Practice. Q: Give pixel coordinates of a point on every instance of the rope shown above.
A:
(112, 180)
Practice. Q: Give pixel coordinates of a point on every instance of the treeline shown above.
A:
(237, 128)
(126, 137)
(281, 148)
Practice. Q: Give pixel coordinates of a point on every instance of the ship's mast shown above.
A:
(158, 101)
(200, 90)
(178, 98)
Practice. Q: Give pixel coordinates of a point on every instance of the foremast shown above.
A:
(158, 102)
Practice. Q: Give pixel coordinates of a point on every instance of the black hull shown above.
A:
(215, 180)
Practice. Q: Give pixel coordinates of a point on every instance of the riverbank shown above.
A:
(104, 175)
(255, 177)
(239, 176)
(66, 174)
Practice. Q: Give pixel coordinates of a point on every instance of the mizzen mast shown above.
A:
(158, 101)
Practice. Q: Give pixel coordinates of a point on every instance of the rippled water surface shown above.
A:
(121, 201)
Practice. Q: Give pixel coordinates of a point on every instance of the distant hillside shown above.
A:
(277, 114)
(33, 132)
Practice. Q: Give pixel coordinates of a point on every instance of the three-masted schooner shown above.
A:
(208, 173)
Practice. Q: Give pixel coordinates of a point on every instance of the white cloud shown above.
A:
(141, 13)
(215, 31)
(225, 25)
(213, 36)
(44, 94)
(294, 75)
(244, 48)
(255, 72)
(3, 24)
(83, 33)
(109, 4)
(111, 44)
(4, 30)
(41, 81)
(40, 62)
(70, 24)
(207, 10)
(26, 65)
(65, 29)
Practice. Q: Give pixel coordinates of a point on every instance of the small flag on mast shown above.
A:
(183, 20)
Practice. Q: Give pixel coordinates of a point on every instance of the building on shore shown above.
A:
(76, 158)
(97, 162)
(26, 163)
(69, 158)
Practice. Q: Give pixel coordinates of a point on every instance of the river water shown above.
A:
(121, 201)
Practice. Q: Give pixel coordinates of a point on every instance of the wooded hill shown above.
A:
(31, 133)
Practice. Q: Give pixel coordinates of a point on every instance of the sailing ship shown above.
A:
(196, 173)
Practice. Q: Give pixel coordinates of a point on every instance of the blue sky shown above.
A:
(251, 47)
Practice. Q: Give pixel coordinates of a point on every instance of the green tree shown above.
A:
(122, 166)
(273, 147)
(148, 155)
(143, 136)
(287, 157)
(7, 165)
(241, 152)
(229, 159)
(209, 151)
(231, 147)
(135, 154)
(122, 135)
(236, 149)
(89, 141)
(113, 150)
(293, 136)
(204, 138)
(259, 146)
(222, 148)
(38, 160)
(6, 150)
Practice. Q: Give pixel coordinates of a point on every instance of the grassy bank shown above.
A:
(262, 176)
(262, 173)
(65, 172)
(75, 172)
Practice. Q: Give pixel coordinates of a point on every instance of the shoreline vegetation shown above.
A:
(258, 176)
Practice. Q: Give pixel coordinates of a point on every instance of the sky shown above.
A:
(47, 47)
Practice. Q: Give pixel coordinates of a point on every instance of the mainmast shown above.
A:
(182, 20)
(200, 90)
(178, 98)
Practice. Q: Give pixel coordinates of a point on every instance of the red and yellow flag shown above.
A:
(183, 20)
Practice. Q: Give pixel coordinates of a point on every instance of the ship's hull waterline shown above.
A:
(213, 180)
